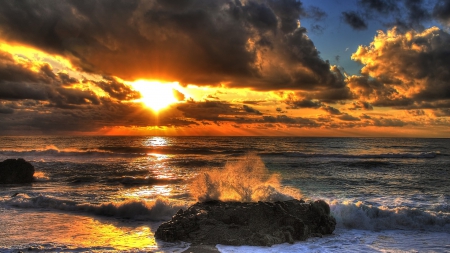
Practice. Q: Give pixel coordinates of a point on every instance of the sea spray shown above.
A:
(40, 176)
(245, 180)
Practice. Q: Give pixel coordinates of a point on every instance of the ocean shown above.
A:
(110, 194)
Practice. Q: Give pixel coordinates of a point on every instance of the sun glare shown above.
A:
(156, 95)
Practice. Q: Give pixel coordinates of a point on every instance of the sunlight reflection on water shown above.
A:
(155, 141)
(74, 231)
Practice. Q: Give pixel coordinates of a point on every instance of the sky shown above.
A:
(362, 68)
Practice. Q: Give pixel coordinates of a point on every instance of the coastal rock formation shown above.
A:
(249, 223)
(14, 171)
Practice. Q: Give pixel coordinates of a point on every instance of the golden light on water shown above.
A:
(77, 231)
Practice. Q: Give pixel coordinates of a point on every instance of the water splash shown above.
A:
(40, 176)
(244, 180)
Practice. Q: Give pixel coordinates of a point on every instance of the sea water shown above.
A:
(110, 194)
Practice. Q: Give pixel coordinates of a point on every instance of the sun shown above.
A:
(156, 95)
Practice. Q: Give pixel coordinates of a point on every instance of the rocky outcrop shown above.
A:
(258, 224)
(14, 171)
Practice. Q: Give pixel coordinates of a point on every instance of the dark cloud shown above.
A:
(298, 121)
(17, 82)
(66, 79)
(317, 15)
(355, 20)
(417, 13)
(12, 72)
(314, 13)
(348, 117)
(404, 14)
(280, 110)
(71, 98)
(318, 29)
(388, 122)
(109, 113)
(209, 110)
(331, 110)
(116, 89)
(380, 6)
(304, 103)
(444, 112)
(361, 105)
(251, 110)
(365, 116)
(196, 41)
(5, 109)
(288, 11)
(441, 12)
(24, 86)
(17, 90)
(428, 105)
(333, 95)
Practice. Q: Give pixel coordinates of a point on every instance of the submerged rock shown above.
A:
(14, 171)
(257, 224)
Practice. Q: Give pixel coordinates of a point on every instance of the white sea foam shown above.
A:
(356, 215)
(344, 240)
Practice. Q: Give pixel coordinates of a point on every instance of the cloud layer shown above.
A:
(255, 44)
(255, 49)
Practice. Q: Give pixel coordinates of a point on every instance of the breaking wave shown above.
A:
(158, 210)
(55, 152)
(367, 217)
(244, 180)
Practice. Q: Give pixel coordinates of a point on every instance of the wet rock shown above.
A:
(257, 224)
(16, 171)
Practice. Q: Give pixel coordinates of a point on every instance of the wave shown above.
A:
(106, 152)
(112, 152)
(362, 156)
(66, 153)
(158, 210)
(368, 217)
(349, 215)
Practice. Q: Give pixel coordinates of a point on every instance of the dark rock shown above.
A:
(258, 224)
(14, 171)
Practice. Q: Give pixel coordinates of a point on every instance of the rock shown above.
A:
(250, 223)
(14, 171)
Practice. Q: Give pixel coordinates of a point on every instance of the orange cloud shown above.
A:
(402, 69)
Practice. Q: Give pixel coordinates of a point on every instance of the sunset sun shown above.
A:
(156, 95)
